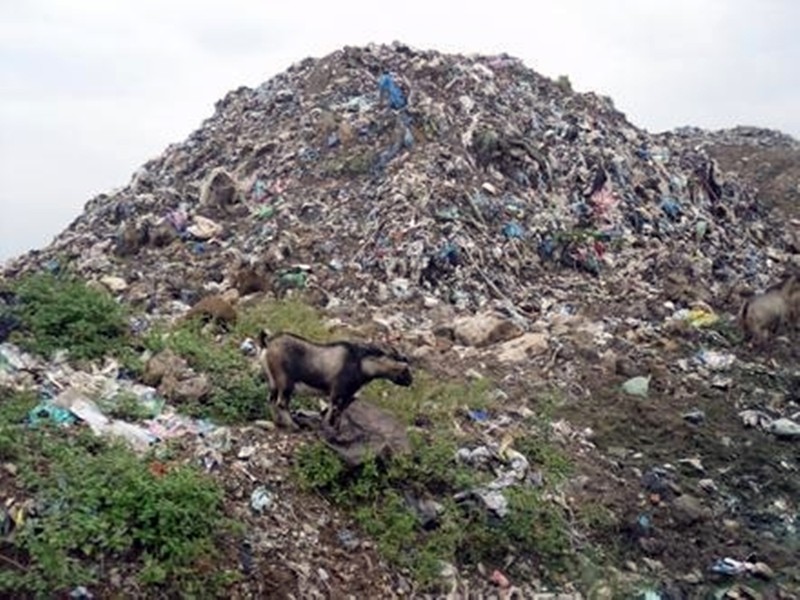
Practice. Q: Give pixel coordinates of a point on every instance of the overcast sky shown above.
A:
(90, 90)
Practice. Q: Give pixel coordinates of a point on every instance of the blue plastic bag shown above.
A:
(387, 85)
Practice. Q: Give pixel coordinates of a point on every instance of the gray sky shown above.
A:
(90, 90)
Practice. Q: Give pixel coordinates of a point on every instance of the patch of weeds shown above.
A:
(100, 508)
(14, 407)
(428, 400)
(383, 496)
(287, 314)
(126, 406)
(729, 330)
(62, 312)
(238, 391)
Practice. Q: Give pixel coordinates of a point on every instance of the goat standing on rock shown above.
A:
(338, 369)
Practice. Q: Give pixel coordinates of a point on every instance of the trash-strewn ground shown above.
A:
(496, 227)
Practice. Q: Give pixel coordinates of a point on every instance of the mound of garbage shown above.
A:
(498, 225)
(388, 173)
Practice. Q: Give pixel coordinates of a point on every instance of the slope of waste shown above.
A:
(497, 225)
(386, 172)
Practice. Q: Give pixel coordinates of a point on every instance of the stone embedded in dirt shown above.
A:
(114, 284)
(161, 365)
(761, 570)
(525, 347)
(637, 386)
(190, 390)
(688, 510)
(484, 330)
(367, 430)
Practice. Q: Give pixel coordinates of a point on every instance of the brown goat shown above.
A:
(776, 309)
(338, 369)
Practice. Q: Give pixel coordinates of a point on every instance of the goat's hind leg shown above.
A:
(283, 418)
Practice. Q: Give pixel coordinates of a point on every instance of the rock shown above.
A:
(246, 452)
(688, 510)
(191, 389)
(523, 348)
(367, 430)
(161, 365)
(637, 386)
(114, 285)
(483, 330)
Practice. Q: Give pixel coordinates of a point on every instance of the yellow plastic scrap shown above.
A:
(17, 515)
(701, 317)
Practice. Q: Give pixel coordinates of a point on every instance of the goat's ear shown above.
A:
(263, 337)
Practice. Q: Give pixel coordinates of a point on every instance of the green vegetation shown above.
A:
(383, 496)
(100, 507)
(239, 392)
(62, 312)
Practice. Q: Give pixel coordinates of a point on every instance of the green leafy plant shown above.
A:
(382, 496)
(62, 312)
(239, 392)
(98, 506)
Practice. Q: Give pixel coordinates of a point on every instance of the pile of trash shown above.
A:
(68, 396)
(389, 174)
(488, 215)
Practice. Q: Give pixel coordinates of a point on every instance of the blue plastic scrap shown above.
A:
(450, 253)
(671, 208)
(388, 87)
(513, 230)
(479, 415)
(547, 248)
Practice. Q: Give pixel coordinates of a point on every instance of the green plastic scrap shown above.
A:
(45, 411)
(297, 280)
(265, 212)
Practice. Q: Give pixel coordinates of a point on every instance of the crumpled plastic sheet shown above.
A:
(514, 473)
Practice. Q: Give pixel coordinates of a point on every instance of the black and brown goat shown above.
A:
(338, 369)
